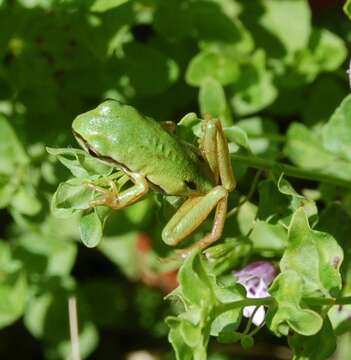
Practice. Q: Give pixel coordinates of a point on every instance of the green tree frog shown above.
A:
(153, 157)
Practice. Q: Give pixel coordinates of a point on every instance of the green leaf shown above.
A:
(276, 19)
(149, 74)
(254, 90)
(191, 333)
(164, 15)
(227, 256)
(329, 51)
(337, 132)
(176, 338)
(79, 162)
(305, 149)
(347, 8)
(285, 188)
(272, 202)
(140, 212)
(195, 282)
(320, 346)
(199, 294)
(71, 196)
(91, 229)
(314, 255)
(287, 290)
(8, 187)
(247, 342)
(237, 135)
(278, 200)
(40, 254)
(105, 5)
(325, 52)
(324, 96)
(102, 34)
(12, 153)
(26, 202)
(212, 98)
(14, 295)
(228, 335)
(262, 135)
(7, 263)
(268, 238)
(205, 22)
(247, 214)
(212, 65)
(231, 318)
(336, 221)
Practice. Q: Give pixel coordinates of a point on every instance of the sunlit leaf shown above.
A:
(212, 65)
(314, 255)
(91, 229)
(104, 5)
(287, 291)
(337, 132)
(254, 90)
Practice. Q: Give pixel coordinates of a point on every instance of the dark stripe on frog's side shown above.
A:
(92, 152)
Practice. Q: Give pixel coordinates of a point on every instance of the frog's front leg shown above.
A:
(116, 200)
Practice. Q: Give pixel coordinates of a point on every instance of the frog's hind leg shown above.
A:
(116, 200)
(194, 211)
(192, 214)
(214, 149)
(216, 232)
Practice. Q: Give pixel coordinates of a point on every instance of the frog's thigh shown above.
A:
(127, 197)
(191, 214)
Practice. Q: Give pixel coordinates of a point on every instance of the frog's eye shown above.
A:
(190, 184)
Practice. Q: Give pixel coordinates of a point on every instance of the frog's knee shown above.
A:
(169, 237)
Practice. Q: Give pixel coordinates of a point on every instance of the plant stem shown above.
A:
(289, 170)
(343, 300)
(269, 301)
(73, 325)
(245, 302)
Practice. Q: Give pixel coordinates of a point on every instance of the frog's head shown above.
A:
(91, 129)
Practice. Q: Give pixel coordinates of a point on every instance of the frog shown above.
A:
(154, 157)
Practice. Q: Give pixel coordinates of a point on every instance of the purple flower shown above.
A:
(256, 278)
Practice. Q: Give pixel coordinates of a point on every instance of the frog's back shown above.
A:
(140, 144)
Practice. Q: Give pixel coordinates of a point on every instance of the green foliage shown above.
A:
(314, 255)
(274, 73)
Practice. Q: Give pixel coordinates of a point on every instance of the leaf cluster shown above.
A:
(274, 72)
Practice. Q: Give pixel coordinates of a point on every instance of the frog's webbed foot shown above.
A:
(114, 199)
